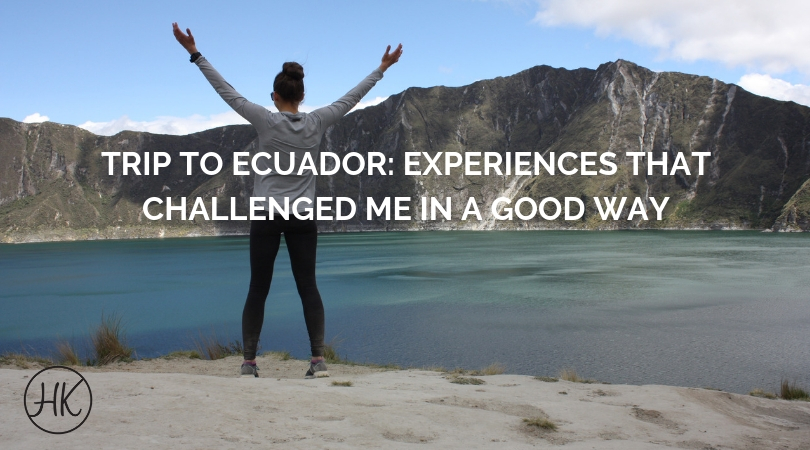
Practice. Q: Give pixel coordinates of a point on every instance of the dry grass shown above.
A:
(390, 366)
(66, 354)
(331, 355)
(282, 355)
(540, 422)
(547, 379)
(109, 344)
(190, 354)
(23, 361)
(210, 347)
(342, 383)
(790, 391)
(762, 394)
(431, 369)
(571, 375)
(466, 380)
(492, 369)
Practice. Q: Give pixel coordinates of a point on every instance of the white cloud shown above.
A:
(35, 118)
(775, 88)
(165, 124)
(772, 35)
(367, 103)
(182, 125)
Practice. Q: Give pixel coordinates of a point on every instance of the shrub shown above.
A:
(790, 391)
(108, 341)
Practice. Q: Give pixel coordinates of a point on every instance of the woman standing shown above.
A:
(284, 133)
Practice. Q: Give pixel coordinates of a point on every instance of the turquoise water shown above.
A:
(723, 309)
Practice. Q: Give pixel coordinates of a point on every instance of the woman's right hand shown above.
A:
(389, 59)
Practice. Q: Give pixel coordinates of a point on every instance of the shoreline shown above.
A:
(188, 403)
(148, 233)
(208, 363)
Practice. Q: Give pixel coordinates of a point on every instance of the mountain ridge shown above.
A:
(53, 182)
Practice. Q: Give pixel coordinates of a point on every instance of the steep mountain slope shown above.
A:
(54, 183)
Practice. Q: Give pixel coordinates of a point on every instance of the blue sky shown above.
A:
(113, 65)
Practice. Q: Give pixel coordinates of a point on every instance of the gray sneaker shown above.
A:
(317, 370)
(249, 371)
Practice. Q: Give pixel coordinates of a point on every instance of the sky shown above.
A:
(109, 66)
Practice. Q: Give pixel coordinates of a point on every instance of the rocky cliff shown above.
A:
(54, 182)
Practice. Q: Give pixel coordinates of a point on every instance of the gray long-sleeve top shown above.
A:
(286, 133)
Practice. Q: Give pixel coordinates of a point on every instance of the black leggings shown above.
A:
(301, 237)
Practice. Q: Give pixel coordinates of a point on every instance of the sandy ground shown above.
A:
(184, 403)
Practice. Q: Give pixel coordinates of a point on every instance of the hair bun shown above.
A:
(293, 70)
(289, 83)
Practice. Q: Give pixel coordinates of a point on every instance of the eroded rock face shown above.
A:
(54, 182)
(796, 212)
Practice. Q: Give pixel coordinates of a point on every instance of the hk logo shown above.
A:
(58, 400)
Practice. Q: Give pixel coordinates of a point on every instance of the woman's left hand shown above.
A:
(186, 40)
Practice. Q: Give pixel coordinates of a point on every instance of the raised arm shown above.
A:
(252, 112)
(332, 113)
